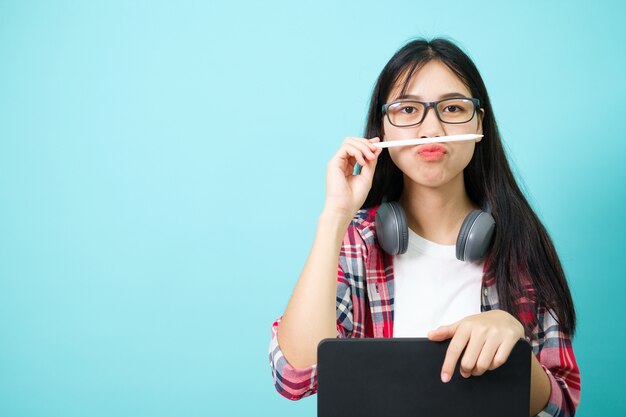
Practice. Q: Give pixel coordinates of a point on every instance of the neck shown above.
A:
(436, 214)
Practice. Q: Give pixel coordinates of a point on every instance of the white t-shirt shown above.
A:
(432, 287)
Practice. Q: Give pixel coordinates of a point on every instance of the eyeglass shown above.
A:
(403, 113)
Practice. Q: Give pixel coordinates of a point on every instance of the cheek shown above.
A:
(479, 127)
(391, 132)
(463, 156)
(387, 128)
(395, 154)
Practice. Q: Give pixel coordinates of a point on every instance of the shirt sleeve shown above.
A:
(296, 383)
(554, 351)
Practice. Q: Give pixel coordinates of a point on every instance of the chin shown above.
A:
(433, 178)
(431, 182)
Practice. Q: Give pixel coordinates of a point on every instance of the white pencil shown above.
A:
(408, 142)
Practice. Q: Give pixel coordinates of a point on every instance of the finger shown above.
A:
(375, 148)
(368, 149)
(367, 171)
(342, 161)
(349, 149)
(471, 354)
(457, 344)
(483, 363)
(375, 140)
(369, 144)
(502, 354)
(443, 332)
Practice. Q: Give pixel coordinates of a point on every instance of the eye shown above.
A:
(453, 108)
(408, 109)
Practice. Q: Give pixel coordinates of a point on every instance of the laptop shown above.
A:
(400, 377)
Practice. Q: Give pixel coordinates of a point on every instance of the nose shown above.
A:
(431, 126)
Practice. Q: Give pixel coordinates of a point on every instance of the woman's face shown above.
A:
(434, 81)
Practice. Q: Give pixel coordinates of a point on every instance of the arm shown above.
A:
(294, 382)
(539, 387)
(310, 315)
(554, 353)
(312, 312)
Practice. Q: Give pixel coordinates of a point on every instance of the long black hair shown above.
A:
(522, 252)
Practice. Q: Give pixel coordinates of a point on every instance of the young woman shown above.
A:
(350, 287)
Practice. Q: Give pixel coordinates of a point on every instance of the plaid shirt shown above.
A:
(365, 309)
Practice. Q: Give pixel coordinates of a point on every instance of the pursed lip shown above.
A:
(431, 147)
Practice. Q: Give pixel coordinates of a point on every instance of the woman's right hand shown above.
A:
(346, 193)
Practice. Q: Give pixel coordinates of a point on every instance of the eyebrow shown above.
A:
(441, 97)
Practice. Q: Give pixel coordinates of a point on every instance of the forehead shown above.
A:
(428, 83)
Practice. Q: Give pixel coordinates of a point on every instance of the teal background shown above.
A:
(162, 167)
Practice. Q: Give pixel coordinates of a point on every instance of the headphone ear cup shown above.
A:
(475, 236)
(392, 231)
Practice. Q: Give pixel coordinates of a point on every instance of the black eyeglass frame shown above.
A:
(429, 104)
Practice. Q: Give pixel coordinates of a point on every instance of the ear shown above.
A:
(481, 116)
(382, 131)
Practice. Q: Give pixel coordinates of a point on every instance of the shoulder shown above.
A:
(364, 225)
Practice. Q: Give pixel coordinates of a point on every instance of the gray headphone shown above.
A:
(472, 243)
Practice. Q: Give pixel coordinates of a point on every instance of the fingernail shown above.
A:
(445, 377)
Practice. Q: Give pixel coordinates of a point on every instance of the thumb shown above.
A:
(443, 332)
(368, 170)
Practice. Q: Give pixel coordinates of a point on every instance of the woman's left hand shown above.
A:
(487, 338)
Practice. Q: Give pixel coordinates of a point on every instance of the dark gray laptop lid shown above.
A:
(401, 377)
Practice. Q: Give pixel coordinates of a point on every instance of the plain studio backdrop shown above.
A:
(162, 169)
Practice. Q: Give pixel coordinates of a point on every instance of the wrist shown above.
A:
(336, 219)
(519, 325)
(342, 215)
